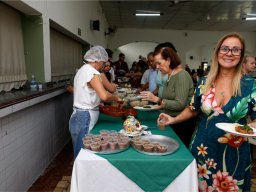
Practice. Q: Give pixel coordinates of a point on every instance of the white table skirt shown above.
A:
(94, 173)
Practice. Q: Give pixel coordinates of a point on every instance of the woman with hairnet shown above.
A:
(88, 92)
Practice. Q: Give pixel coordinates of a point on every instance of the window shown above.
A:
(12, 60)
(66, 56)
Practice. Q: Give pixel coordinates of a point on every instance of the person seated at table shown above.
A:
(88, 92)
(225, 95)
(177, 91)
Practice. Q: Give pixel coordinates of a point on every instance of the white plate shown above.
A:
(144, 127)
(230, 128)
(122, 131)
(152, 107)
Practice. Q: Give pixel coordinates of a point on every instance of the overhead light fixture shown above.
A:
(249, 16)
(148, 13)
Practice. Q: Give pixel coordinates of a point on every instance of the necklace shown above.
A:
(172, 73)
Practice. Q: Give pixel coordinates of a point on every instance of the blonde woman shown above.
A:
(226, 95)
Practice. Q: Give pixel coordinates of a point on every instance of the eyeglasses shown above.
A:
(235, 50)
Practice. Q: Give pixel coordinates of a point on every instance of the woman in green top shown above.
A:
(177, 91)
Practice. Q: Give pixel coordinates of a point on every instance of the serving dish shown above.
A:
(147, 107)
(107, 151)
(172, 144)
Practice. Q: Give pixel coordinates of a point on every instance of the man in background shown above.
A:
(120, 66)
(249, 64)
(148, 80)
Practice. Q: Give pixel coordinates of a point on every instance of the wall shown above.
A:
(198, 43)
(30, 139)
(133, 50)
(70, 15)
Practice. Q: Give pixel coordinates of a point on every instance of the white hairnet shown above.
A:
(95, 54)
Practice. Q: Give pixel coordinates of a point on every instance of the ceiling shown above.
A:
(207, 15)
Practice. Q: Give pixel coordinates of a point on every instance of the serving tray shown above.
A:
(171, 143)
(107, 151)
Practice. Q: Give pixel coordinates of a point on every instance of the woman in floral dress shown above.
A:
(223, 159)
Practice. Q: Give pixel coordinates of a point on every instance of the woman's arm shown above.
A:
(111, 87)
(104, 95)
(186, 114)
(252, 124)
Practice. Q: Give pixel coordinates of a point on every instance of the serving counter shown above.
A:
(133, 171)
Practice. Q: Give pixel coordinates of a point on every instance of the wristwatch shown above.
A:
(159, 102)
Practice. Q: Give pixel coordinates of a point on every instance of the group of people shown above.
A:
(226, 94)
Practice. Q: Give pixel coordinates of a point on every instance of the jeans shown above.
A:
(79, 127)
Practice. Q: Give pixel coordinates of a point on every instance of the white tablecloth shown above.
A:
(94, 173)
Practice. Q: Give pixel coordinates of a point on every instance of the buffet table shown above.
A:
(133, 171)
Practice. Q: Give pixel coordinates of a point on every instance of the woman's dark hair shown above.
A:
(169, 53)
(166, 44)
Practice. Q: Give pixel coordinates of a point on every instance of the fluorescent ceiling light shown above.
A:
(251, 14)
(148, 14)
(250, 18)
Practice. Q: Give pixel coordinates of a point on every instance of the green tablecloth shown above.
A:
(151, 173)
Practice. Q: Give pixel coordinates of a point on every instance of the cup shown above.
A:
(161, 124)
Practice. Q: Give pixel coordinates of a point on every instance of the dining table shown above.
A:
(132, 171)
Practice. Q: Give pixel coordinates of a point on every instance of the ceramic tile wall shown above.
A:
(30, 139)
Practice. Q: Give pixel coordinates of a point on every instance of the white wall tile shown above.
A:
(31, 137)
(5, 111)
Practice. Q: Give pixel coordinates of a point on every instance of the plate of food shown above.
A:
(147, 107)
(237, 129)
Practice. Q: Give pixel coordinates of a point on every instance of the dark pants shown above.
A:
(185, 130)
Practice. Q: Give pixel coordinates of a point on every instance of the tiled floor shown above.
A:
(57, 176)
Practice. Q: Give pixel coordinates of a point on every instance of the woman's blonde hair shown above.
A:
(214, 71)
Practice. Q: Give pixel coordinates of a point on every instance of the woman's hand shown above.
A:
(164, 119)
(252, 124)
(148, 96)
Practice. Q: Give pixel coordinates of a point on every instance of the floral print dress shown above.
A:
(223, 159)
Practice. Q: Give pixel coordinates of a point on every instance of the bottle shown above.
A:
(33, 83)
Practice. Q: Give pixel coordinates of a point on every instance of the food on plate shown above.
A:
(148, 147)
(123, 143)
(106, 143)
(142, 103)
(113, 145)
(135, 103)
(162, 148)
(95, 146)
(245, 129)
(147, 106)
(138, 145)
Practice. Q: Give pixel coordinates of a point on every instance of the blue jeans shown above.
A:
(79, 127)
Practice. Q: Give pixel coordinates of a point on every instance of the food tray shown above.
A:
(108, 151)
(172, 144)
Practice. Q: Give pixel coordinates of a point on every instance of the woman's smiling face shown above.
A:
(229, 53)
